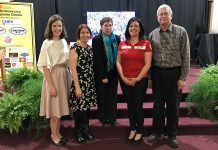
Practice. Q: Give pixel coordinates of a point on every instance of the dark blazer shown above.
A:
(100, 57)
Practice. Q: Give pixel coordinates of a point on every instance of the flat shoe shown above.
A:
(57, 143)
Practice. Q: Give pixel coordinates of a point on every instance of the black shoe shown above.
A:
(87, 133)
(153, 137)
(88, 136)
(138, 141)
(129, 141)
(80, 138)
(173, 142)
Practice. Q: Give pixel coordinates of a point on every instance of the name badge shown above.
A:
(140, 47)
(125, 47)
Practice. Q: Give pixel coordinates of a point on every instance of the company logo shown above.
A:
(24, 54)
(4, 22)
(2, 30)
(11, 22)
(8, 39)
(17, 30)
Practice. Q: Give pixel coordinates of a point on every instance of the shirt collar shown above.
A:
(170, 28)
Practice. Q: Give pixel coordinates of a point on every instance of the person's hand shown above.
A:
(128, 81)
(133, 81)
(79, 93)
(150, 84)
(53, 91)
(181, 84)
(104, 80)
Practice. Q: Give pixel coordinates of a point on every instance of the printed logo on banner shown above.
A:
(22, 59)
(7, 65)
(2, 30)
(8, 39)
(17, 30)
(11, 22)
(7, 60)
(7, 21)
(24, 54)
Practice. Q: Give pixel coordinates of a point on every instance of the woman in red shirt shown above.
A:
(133, 63)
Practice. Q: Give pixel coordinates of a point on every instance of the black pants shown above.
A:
(107, 98)
(165, 90)
(134, 96)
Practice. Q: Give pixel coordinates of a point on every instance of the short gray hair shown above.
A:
(165, 6)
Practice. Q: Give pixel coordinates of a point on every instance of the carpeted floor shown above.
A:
(107, 139)
(194, 133)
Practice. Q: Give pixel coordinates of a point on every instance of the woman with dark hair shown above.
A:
(52, 62)
(105, 46)
(83, 93)
(133, 63)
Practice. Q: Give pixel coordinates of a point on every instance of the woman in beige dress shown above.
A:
(52, 62)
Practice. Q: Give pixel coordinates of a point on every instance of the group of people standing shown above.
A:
(160, 62)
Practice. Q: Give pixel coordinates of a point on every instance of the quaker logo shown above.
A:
(2, 30)
(7, 22)
(24, 54)
(17, 30)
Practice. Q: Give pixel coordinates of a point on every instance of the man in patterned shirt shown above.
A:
(170, 66)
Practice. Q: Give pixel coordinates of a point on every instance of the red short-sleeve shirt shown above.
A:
(133, 57)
